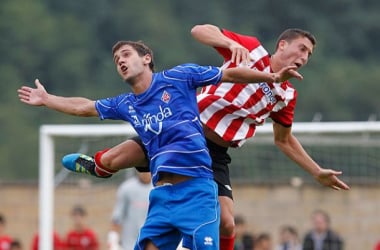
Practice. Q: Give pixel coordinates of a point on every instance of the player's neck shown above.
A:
(141, 82)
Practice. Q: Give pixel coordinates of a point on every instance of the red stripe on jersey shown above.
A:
(232, 129)
(209, 89)
(205, 102)
(253, 99)
(218, 115)
(233, 92)
(251, 131)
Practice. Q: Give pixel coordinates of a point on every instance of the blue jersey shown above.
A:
(166, 118)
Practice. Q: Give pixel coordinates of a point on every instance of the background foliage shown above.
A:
(67, 44)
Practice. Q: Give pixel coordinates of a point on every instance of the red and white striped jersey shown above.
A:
(234, 110)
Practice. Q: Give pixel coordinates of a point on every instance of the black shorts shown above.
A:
(138, 141)
(220, 160)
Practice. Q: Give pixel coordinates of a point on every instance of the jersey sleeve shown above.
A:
(195, 75)
(248, 42)
(285, 116)
(108, 108)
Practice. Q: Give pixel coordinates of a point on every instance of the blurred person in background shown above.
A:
(58, 243)
(80, 237)
(321, 236)
(377, 247)
(16, 245)
(289, 239)
(243, 239)
(130, 211)
(263, 242)
(5, 239)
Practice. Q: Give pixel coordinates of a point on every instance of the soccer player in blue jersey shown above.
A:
(163, 110)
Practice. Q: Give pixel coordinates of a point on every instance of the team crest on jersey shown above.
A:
(165, 97)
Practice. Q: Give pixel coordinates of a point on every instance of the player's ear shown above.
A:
(147, 59)
(282, 45)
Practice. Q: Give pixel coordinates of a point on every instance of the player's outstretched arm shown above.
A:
(292, 148)
(38, 96)
(246, 75)
(211, 35)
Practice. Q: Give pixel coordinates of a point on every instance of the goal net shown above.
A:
(353, 147)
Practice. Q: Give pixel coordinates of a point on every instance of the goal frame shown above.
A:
(47, 133)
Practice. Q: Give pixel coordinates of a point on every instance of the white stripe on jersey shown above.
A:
(258, 53)
(178, 151)
(174, 125)
(176, 69)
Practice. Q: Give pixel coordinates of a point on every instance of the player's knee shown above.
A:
(106, 161)
(227, 224)
(105, 157)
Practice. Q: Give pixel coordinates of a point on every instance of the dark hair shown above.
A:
(291, 34)
(2, 219)
(78, 210)
(15, 244)
(140, 48)
(262, 237)
(289, 229)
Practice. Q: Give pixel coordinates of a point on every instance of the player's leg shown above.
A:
(158, 231)
(108, 161)
(200, 229)
(150, 246)
(227, 223)
(129, 153)
(220, 161)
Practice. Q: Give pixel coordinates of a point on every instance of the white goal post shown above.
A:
(46, 168)
(48, 133)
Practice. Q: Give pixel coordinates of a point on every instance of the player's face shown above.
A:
(129, 64)
(296, 52)
(78, 219)
(319, 223)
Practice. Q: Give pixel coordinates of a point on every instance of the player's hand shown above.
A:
(33, 96)
(287, 72)
(328, 177)
(239, 54)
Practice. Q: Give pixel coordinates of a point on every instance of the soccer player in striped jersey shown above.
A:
(164, 112)
(230, 112)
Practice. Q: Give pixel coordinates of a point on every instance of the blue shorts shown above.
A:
(189, 209)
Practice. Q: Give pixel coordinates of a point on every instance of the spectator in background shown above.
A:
(321, 236)
(80, 237)
(5, 240)
(289, 239)
(377, 247)
(58, 244)
(243, 239)
(15, 245)
(130, 211)
(263, 242)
